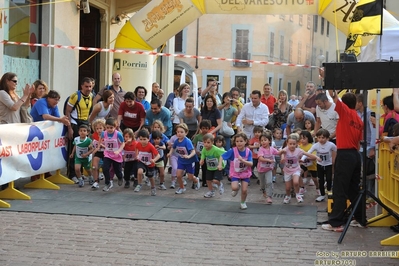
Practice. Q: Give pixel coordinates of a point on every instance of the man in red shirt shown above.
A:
(267, 98)
(131, 114)
(347, 163)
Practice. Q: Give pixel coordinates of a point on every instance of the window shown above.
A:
(314, 55)
(242, 48)
(241, 83)
(328, 29)
(322, 26)
(309, 19)
(280, 84)
(21, 23)
(271, 57)
(281, 47)
(315, 22)
(289, 89)
(300, 20)
(307, 54)
(299, 53)
(290, 51)
(179, 42)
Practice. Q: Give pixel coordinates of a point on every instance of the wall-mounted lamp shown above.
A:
(83, 5)
(118, 18)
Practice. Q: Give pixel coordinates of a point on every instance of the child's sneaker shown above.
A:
(147, 182)
(286, 199)
(221, 188)
(180, 190)
(127, 184)
(302, 191)
(209, 194)
(162, 186)
(95, 185)
(328, 227)
(184, 182)
(269, 200)
(138, 188)
(91, 180)
(234, 193)
(101, 176)
(109, 186)
(153, 191)
(173, 185)
(274, 179)
(81, 182)
(215, 186)
(120, 181)
(243, 206)
(299, 198)
(75, 180)
(198, 184)
(320, 198)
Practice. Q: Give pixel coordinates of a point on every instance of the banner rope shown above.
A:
(126, 51)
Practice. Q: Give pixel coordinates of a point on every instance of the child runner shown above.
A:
(240, 157)
(265, 166)
(187, 157)
(210, 155)
(159, 144)
(254, 144)
(114, 143)
(130, 157)
(98, 127)
(308, 166)
(220, 142)
(278, 142)
(326, 151)
(82, 149)
(173, 162)
(204, 127)
(158, 125)
(147, 155)
(292, 170)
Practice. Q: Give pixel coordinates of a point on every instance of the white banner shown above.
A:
(29, 149)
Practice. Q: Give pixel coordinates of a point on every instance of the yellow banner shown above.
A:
(338, 12)
(263, 7)
(161, 19)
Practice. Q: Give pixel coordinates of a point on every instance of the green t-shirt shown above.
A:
(212, 157)
(198, 143)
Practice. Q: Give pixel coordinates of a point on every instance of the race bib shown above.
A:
(130, 156)
(181, 151)
(324, 156)
(266, 164)
(291, 162)
(111, 144)
(200, 146)
(238, 166)
(212, 163)
(256, 150)
(145, 157)
(80, 151)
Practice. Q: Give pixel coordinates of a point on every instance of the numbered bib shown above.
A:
(256, 150)
(212, 163)
(145, 157)
(266, 164)
(130, 156)
(96, 144)
(291, 162)
(200, 146)
(324, 156)
(181, 151)
(239, 166)
(80, 151)
(111, 144)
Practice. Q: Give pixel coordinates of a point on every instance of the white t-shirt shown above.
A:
(324, 151)
(328, 118)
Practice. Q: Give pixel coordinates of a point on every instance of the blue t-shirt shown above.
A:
(229, 155)
(164, 116)
(40, 108)
(120, 136)
(184, 148)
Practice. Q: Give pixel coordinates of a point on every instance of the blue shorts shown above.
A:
(189, 168)
(240, 179)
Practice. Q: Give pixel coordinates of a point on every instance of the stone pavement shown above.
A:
(53, 239)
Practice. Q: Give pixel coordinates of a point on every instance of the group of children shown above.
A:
(144, 153)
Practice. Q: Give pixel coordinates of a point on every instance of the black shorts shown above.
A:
(149, 171)
(214, 175)
(99, 154)
(313, 173)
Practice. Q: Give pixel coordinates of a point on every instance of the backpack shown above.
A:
(77, 102)
(390, 123)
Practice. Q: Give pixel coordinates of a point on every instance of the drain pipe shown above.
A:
(196, 45)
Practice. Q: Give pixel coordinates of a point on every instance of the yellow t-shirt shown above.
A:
(83, 107)
(307, 147)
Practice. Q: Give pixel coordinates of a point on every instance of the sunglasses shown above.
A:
(15, 81)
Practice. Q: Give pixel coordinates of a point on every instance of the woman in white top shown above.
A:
(11, 104)
(179, 102)
(102, 109)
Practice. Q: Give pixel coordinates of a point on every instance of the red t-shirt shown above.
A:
(255, 150)
(131, 116)
(349, 127)
(269, 102)
(148, 149)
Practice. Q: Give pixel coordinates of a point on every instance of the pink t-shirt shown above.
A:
(291, 164)
(268, 154)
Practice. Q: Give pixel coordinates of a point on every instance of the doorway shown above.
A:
(90, 28)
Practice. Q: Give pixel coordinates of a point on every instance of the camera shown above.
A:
(372, 114)
(85, 5)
